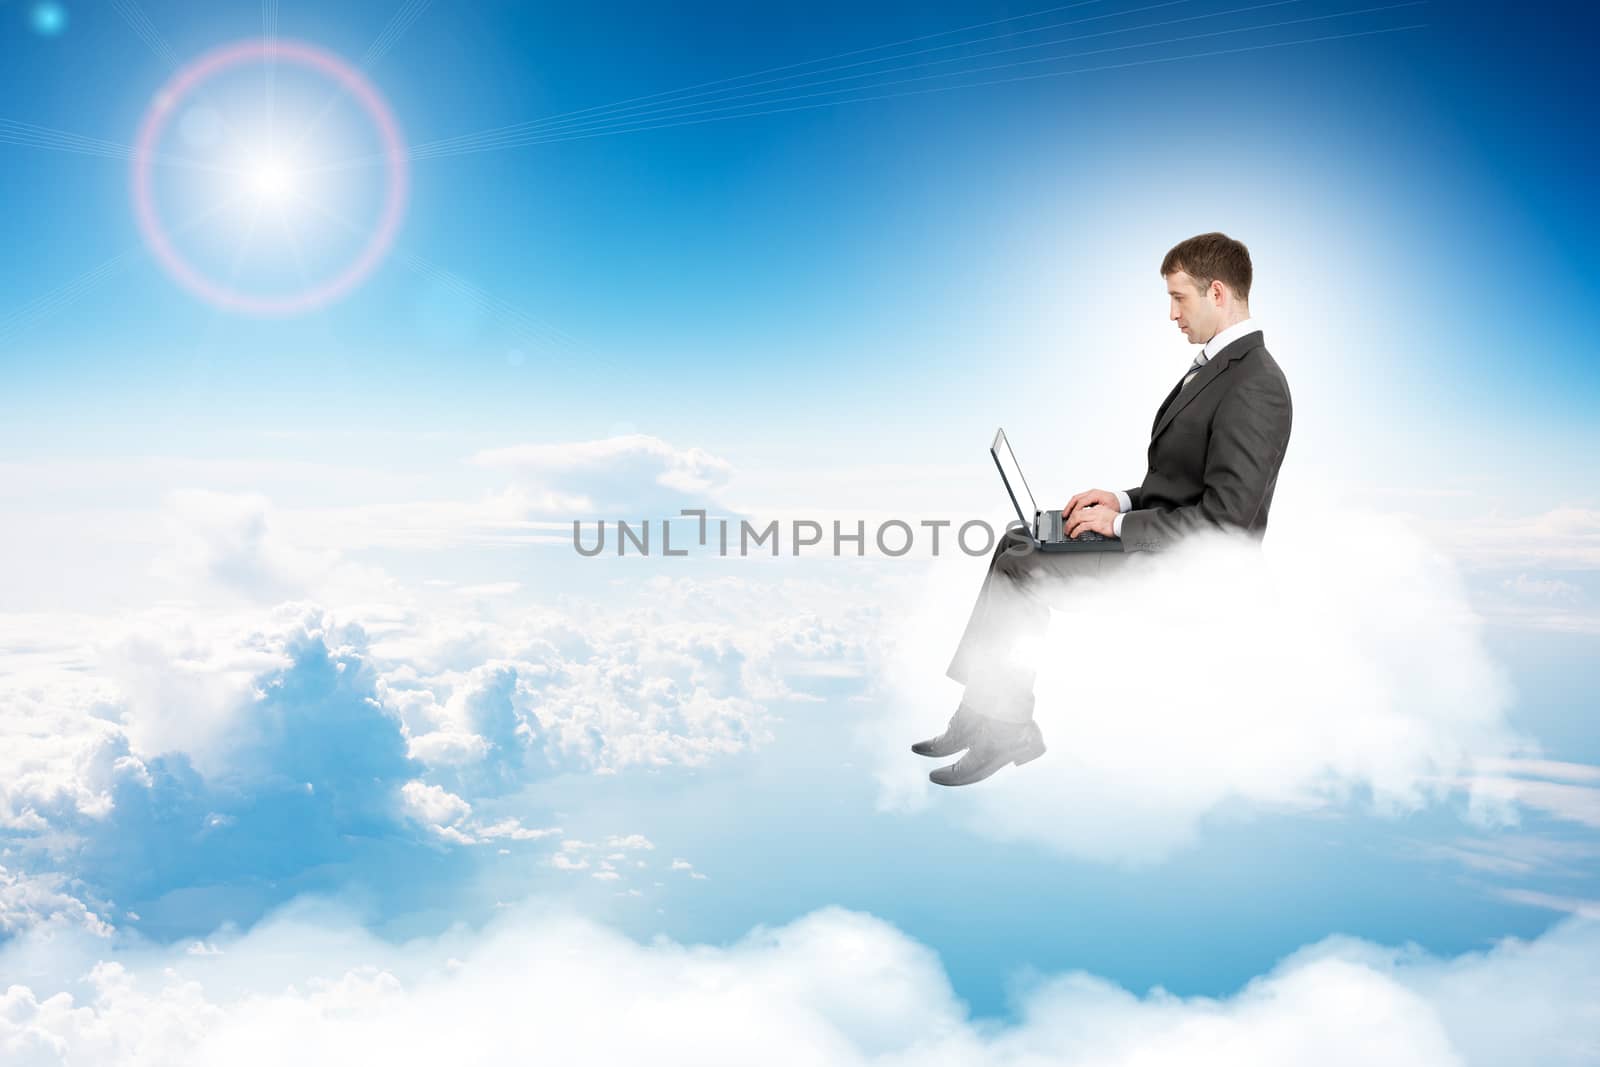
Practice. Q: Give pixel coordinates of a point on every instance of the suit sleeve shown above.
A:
(1249, 436)
(1124, 505)
(1133, 497)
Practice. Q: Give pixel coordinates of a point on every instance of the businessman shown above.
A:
(1215, 448)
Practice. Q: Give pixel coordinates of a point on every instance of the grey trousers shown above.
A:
(1015, 601)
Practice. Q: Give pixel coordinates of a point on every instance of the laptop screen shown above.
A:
(1012, 472)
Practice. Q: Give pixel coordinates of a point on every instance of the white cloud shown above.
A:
(1588, 909)
(184, 679)
(629, 476)
(514, 830)
(485, 705)
(832, 988)
(686, 866)
(440, 811)
(450, 817)
(1541, 588)
(1565, 537)
(41, 901)
(489, 589)
(1574, 803)
(1541, 768)
(61, 753)
(1516, 854)
(231, 542)
(87, 712)
(1325, 668)
(633, 841)
(681, 675)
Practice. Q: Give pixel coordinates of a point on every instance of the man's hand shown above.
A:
(1096, 517)
(1091, 498)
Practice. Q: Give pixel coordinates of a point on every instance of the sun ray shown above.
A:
(30, 314)
(396, 27)
(738, 111)
(812, 62)
(706, 111)
(143, 28)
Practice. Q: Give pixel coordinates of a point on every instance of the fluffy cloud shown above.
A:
(833, 987)
(226, 538)
(451, 818)
(441, 811)
(233, 543)
(194, 765)
(630, 841)
(289, 768)
(632, 476)
(34, 902)
(629, 694)
(298, 693)
(681, 675)
(61, 754)
(1321, 669)
(276, 696)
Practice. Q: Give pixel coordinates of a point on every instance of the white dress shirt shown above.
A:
(1223, 339)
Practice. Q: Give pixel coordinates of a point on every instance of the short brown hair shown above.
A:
(1212, 257)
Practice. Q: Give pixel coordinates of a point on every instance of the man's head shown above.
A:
(1208, 284)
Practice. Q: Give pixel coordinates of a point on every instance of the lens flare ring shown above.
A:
(165, 106)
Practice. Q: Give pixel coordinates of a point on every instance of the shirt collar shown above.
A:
(1228, 336)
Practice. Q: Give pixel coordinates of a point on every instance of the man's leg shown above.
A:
(995, 659)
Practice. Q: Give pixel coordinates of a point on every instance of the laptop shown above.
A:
(1045, 526)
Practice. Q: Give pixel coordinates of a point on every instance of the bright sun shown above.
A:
(219, 140)
(271, 180)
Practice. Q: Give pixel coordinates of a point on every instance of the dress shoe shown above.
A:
(959, 734)
(996, 744)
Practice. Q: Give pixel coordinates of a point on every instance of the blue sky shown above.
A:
(296, 650)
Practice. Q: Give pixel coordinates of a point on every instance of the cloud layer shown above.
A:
(207, 763)
(195, 766)
(831, 988)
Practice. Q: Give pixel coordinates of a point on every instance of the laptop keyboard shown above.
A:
(1050, 529)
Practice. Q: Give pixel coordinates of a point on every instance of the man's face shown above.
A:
(1194, 312)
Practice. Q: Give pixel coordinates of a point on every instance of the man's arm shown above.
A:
(1250, 433)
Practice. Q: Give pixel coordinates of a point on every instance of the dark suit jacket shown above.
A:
(1215, 450)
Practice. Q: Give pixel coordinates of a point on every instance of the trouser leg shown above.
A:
(995, 659)
(983, 659)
